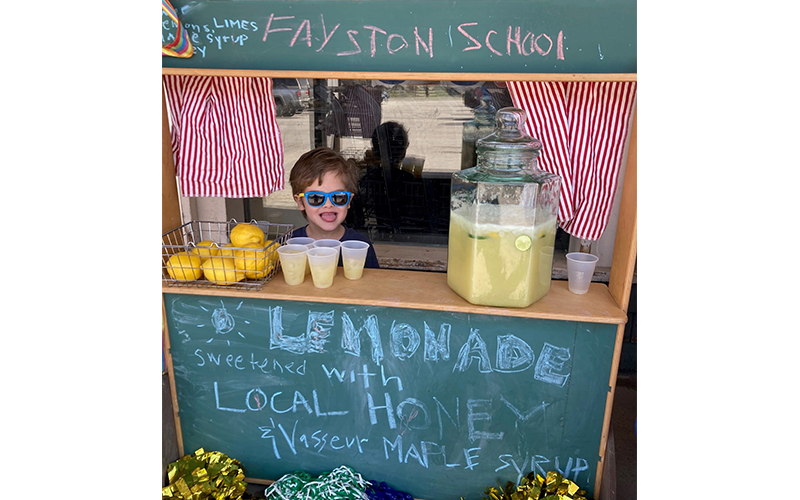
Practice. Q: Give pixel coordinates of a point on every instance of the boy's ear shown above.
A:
(299, 203)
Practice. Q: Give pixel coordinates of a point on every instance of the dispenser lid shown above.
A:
(508, 133)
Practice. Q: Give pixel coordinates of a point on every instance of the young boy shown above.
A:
(323, 183)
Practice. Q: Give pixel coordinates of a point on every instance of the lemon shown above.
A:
(206, 249)
(222, 271)
(242, 234)
(252, 262)
(185, 266)
(272, 251)
(226, 250)
(523, 242)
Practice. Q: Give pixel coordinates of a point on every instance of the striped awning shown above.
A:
(583, 127)
(225, 138)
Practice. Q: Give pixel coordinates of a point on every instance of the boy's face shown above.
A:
(327, 217)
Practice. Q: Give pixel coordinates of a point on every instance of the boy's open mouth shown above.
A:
(328, 216)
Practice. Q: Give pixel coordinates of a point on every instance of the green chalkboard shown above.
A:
(440, 405)
(461, 36)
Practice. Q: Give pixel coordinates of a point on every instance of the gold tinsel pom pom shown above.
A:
(205, 475)
(535, 487)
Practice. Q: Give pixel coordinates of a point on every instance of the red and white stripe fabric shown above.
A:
(583, 127)
(225, 138)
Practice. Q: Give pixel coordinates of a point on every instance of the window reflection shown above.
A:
(406, 137)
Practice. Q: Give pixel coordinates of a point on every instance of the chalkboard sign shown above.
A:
(440, 405)
(462, 36)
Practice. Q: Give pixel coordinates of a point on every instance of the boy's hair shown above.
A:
(312, 165)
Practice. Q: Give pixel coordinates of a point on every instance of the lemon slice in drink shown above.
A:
(523, 243)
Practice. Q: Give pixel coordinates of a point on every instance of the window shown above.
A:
(404, 190)
(406, 137)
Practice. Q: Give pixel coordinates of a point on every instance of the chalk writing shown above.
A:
(316, 440)
(208, 359)
(404, 340)
(365, 39)
(437, 347)
(256, 400)
(318, 328)
(242, 24)
(528, 414)
(351, 337)
(473, 348)
(541, 465)
(422, 453)
(220, 41)
(513, 354)
(341, 375)
(395, 448)
(333, 383)
(476, 416)
(551, 365)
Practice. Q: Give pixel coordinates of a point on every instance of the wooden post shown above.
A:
(171, 372)
(624, 258)
(170, 201)
(620, 280)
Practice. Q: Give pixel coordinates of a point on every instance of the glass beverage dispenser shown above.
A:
(503, 220)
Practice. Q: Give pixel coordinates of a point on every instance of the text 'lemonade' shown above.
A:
(500, 258)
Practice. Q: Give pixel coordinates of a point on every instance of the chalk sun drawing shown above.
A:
(239, 306)
(223, 322)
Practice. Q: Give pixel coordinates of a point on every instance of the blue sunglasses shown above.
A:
(318, 198)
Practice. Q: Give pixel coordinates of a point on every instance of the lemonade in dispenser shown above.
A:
(503, 220)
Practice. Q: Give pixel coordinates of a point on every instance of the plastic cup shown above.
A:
(580, 267)
(293, 263)
(302, 240)
(324, 243)
(354, 255)
(323, 262)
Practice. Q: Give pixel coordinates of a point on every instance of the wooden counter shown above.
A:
(424, 290)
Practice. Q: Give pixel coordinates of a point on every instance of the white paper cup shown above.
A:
(293, 263)
(323, 262)
(326, 243)
(302, 240)
(354, 255)
(580, 268)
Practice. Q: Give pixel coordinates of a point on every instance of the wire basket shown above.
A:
(200, 254)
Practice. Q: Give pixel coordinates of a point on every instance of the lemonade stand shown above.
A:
(249, 368)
